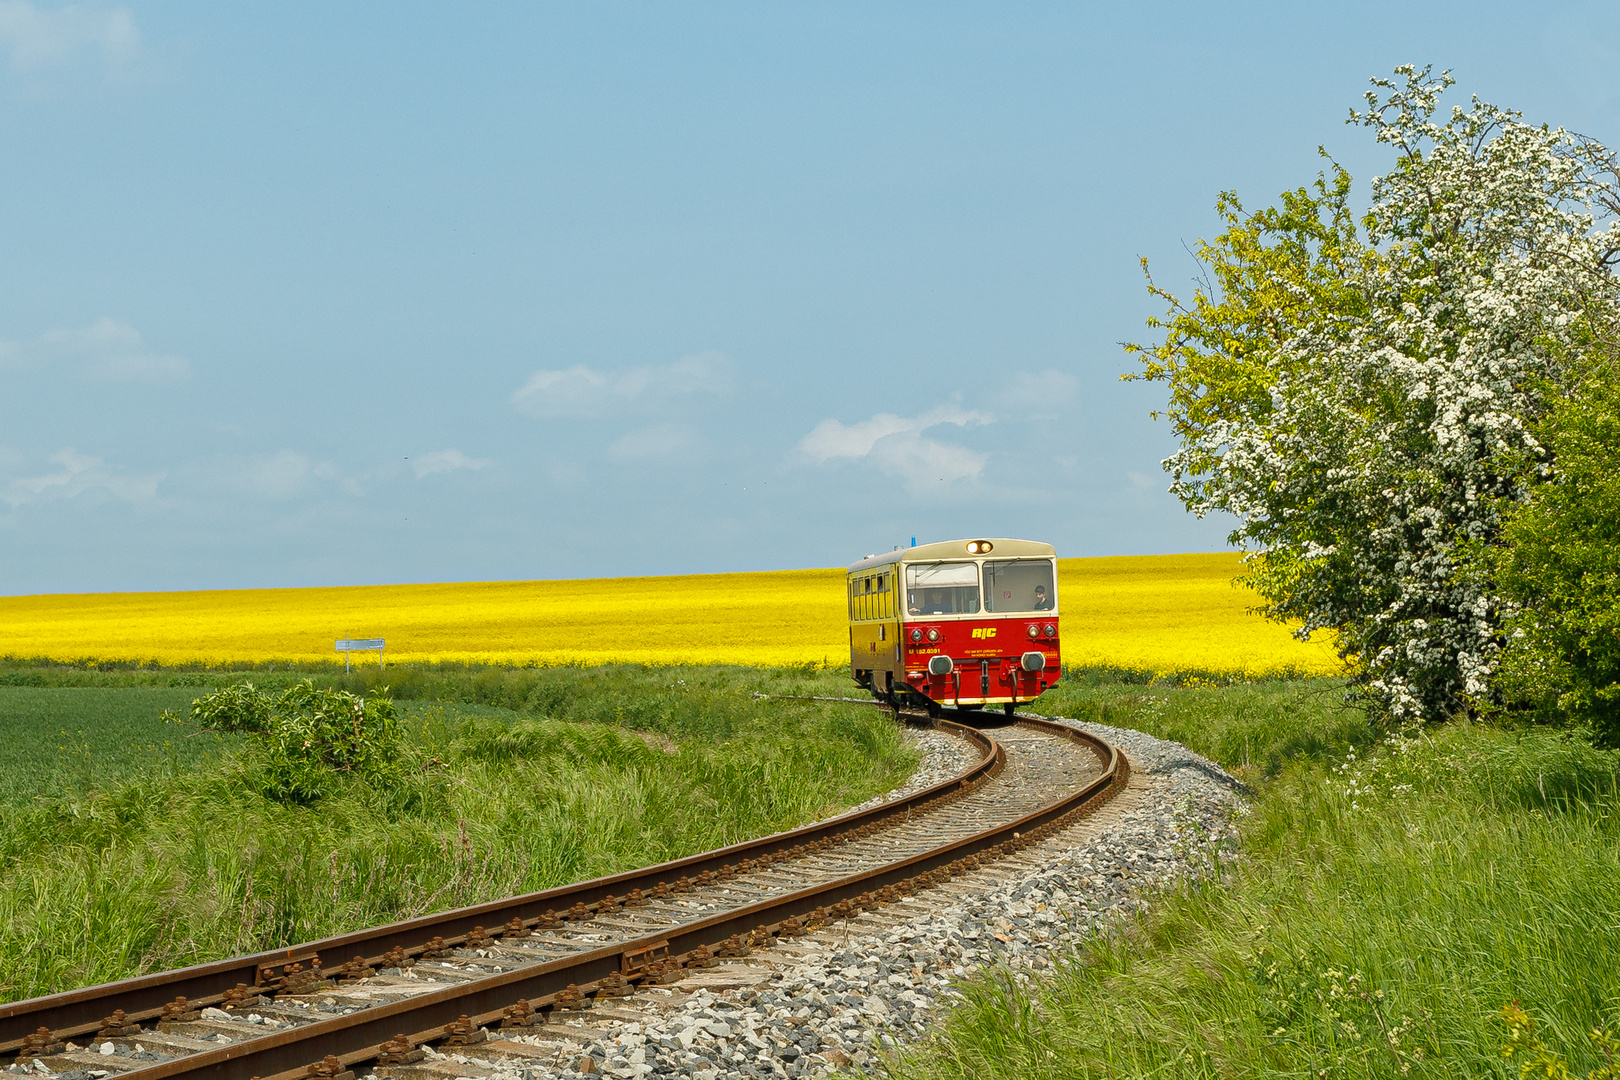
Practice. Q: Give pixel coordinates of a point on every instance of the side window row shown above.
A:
(871, 596)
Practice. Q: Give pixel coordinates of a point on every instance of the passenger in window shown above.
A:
(934, 603)
(1042, 601)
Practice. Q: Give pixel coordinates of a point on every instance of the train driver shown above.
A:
(1042, 601)
(934, 603)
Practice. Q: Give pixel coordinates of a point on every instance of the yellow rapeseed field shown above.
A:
(1159, 613)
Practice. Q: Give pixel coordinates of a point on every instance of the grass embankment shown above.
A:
(1384, 908)
(164, 859)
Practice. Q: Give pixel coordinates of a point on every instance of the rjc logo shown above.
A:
(984, 631)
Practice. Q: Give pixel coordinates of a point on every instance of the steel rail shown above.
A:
(341, 1042)
(77, 1013)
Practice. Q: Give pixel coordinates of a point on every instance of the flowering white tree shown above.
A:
(1362, 394)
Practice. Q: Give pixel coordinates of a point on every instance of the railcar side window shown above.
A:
(942, 588)
(1019, 585)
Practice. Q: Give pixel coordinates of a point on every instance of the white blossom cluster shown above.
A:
(1396, 427)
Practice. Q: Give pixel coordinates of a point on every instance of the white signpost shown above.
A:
(365, 644)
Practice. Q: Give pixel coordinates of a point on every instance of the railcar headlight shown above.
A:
(979, 547)
(1051, 631)
(1034, 631)
(933, 633)
(916, 635)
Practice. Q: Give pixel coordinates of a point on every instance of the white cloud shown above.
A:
(39, 38)
(105, 351)
(76, 474)
(1035, 395)
(897, 446)
(278, 476)
(584, 392)
(661, 443)
(831, 440)
(443, 461)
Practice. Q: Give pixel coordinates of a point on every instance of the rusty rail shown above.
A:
(76, 1013)
(365, 1035)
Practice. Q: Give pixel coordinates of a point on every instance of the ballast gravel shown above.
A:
(842, 1000)
(943, 756)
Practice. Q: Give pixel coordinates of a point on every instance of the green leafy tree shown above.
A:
(1560, 563)
(1361, 392)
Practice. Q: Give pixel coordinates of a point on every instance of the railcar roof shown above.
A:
(1000, 547)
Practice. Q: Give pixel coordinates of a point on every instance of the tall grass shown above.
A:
(182, 864)
(1387, 903)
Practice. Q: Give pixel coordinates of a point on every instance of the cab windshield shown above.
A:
(1019, 585)
(942, 588)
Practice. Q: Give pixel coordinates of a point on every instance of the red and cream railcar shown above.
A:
(964, 623)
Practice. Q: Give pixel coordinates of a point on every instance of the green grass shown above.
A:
(71, 740)
(1251, 728)
(1384, 908)
(158, 864)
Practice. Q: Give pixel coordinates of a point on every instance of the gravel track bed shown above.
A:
(837, 998)
(944, 756)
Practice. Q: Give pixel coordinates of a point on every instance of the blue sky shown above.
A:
(300, 294)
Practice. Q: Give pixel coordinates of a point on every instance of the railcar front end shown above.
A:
(960, 623)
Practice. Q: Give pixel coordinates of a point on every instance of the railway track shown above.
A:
(529, 964)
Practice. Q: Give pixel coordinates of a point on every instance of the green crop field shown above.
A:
(70, 740)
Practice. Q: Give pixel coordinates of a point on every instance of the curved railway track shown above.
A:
(375, 996)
